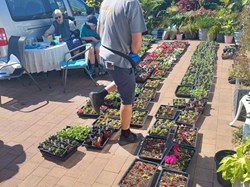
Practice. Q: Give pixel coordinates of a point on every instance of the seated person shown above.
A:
(64, 27)
(88, 33)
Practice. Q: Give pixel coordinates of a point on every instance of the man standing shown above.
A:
(120, 26)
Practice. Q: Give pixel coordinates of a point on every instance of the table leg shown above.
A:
(47, 79)
(238, 113)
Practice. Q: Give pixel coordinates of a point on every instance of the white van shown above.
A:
(33, 17)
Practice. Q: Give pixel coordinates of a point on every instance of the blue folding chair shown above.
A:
(79, 60)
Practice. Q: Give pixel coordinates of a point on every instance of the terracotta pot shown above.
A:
(179, 36)
(228, 39)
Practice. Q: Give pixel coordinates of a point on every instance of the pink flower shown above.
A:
(170, 159)
(176, 147)
(186, 133)
(176, 153)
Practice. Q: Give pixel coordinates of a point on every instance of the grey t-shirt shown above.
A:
(118, 19)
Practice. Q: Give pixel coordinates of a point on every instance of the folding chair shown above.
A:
(15, 54)
(75, 63)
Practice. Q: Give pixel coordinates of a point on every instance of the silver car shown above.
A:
(33, 17)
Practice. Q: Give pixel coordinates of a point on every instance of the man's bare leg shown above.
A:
(125, 115)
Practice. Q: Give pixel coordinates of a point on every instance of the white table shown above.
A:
(45, 59)
(245, 101)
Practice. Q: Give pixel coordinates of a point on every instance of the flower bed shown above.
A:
(168, 178)
(186, 136)
(153, 148)
(140, 173)
(166, 112)
(178, 157)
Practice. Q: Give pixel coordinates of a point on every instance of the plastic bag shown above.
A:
(8, 70)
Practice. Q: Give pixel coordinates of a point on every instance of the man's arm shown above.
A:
(50, 30)
(72, 26)
(136, 42)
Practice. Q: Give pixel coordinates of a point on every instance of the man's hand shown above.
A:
(135, 57)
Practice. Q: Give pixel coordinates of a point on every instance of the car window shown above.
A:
(22, 10)
(78, 7)
(61, 5)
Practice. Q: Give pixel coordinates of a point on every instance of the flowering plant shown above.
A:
(178, 158)
(186, 136)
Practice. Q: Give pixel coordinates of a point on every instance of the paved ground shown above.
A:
(28, 116)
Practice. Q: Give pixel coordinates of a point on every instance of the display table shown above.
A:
(245, 100)
(45, 58)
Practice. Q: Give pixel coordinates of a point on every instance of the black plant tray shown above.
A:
(112, 116)
(187, 124)
(108, 123)
(150, 98)
(146, 105)
(167, 117)
(90, 146)
(164, 170)
(111, 105)
(67, 152)
(171, 130)
(63, 157)
(184, 144)
(154, 86)
(183, 95)
(194, 108)
(80, 141)
(143, 120)
(103, 142)
(139, 179)
(160, 76)
(153, 159)
(186, 164)
(179, 106)
(87, 115)
(139, 85)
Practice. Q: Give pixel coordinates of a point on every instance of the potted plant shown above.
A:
(204, 23)
(228, 30)
(212, 32)
(236, 167)
(177, 21)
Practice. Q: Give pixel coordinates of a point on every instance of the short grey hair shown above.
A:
(57, 11)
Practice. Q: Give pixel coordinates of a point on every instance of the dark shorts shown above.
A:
(125, 81)
(73, 43)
